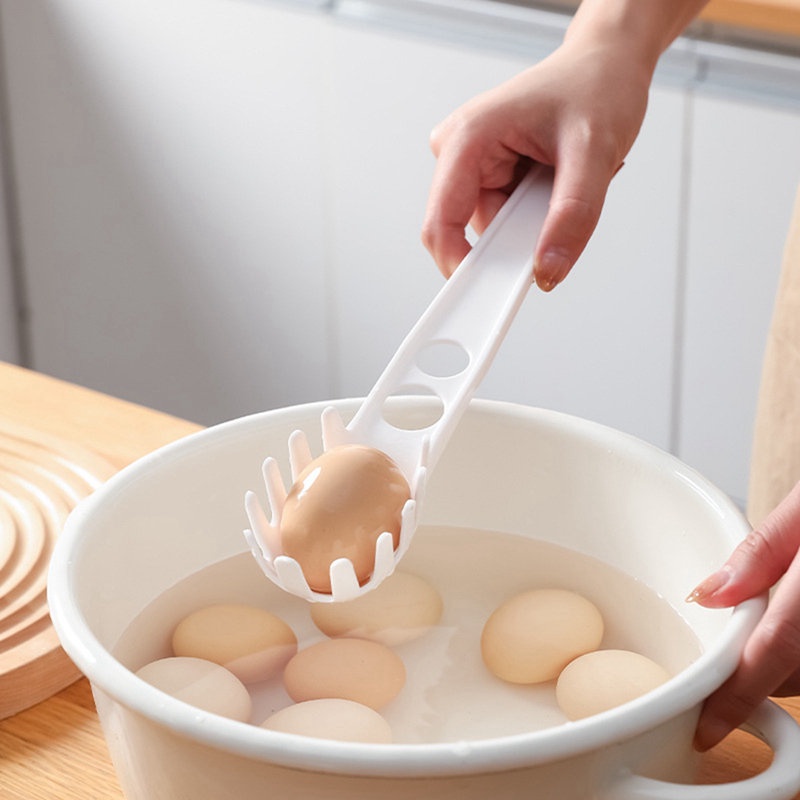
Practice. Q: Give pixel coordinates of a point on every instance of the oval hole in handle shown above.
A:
(779, 781)
(443, 358)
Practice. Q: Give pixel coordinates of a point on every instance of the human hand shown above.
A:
(770, 661)
(579, 110)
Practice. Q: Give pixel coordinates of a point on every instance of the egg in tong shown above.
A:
(347, 520)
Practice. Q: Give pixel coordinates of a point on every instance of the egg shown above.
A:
(532, 636)
(337, 507)
(251, 642)
(402, 608)
(200, 683)
(604, 679)
(332, 718)
(351, 669)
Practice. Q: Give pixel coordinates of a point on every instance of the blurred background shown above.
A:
(212, 207)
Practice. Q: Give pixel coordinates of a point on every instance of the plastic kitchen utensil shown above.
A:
(458, 334)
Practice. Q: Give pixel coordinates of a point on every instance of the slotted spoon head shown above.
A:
(471, 313)
(264, 536)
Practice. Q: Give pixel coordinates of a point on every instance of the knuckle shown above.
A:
(435, 140)
(757, 546)
(428, 235)
(582, 215)
(435, 229)
(600, 139)
(462, 125)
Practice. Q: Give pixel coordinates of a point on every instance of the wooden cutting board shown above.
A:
(55, 750)
(57, 444)
(42, 478)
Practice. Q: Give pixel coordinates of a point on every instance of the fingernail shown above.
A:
(710, 586)
(550, 269)
(546, 284)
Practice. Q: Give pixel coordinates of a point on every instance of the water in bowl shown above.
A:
(449, 694)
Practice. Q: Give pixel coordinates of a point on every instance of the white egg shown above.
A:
(532, 636)
(251, 642)
(200, 683)
(332, 718)
(598, 681)
(351, 669)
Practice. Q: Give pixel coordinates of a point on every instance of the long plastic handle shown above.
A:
(780, 781)
(471, 314)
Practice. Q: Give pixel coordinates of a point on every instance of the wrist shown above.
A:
(638, 31)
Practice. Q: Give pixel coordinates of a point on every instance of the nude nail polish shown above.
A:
(550, 270)
(710, 586)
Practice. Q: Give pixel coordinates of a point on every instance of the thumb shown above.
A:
(579, 191)
(759, 561)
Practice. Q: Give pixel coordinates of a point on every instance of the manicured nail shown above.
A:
(710, 586)
(551, 269)
(546, 284)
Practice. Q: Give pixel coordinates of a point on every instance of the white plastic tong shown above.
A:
(468, 317)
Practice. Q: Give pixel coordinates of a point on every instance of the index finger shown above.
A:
(581, 182)
(452, 200)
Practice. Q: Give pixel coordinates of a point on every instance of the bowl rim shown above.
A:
(682, 693)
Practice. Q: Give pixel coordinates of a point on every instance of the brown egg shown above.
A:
(604, 679)
(338, 506)
(251, 642)
(351, 669)
(532, 636)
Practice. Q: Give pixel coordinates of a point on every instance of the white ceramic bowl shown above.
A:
(508, 468)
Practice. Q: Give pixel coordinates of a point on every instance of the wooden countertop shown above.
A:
(766, 21)
(56, 750)
(771, 16)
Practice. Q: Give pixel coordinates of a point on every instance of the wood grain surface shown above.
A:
(772, 16)
(42, 478)
(55, 750)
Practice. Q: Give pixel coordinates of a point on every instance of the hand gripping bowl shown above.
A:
(507, 468)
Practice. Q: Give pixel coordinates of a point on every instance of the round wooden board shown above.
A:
(42, 478)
